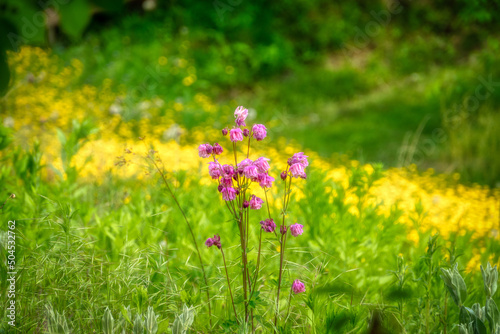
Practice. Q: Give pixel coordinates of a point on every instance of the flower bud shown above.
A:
(246, 132)
(246, 204)
(283, 229)
(224, 132)
(283, 175)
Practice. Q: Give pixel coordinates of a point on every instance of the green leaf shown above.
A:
(492, 313)
(455, 284)
(75, 16)
(490, 279)
(107, 322)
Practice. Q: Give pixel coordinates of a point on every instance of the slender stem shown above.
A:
(248, 150)
(192, 235)
(282, 253)
(235, 155)
(445, 330)
(243, 258)
(289, 303)
(286, 200)
(267, 203)
(229, 285)
(258, 263)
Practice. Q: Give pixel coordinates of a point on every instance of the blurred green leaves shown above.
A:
(75, 16)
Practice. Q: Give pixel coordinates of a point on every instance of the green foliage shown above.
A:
(184, 320)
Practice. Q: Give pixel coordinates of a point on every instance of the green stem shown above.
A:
(289, 303)
(229, 285)
(258, 263)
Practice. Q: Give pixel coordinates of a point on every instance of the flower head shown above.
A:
(209, 242)
(299, 158)
(205, 150)
(259, 131)
(297, 170)
(255, 203)
(224, 132)
(226, 181)
(214, 169)
(215, 241)
(298, 286)
(296, 229)
(241, 166)
(268, 225)
(246, 204)
(250, 172)
(246, 132)
(265, 180)
(217, 149)
(228, 170)
(262, 164)
(240, 114)
(228, 194)
(236, 135)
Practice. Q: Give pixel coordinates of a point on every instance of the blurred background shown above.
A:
(397, 82)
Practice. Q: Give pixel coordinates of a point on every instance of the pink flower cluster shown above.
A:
(215, 241)
(206, 150)
(259, 131)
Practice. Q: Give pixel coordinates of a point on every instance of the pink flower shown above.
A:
(242, 165)
(240, 114)
(215, 241)
(296, 229)
(259, 132)
(268, 225)
(217, 149)
(228, 170)
(209, 242)
(297, 170)
(299, 158)
(205, 150)
(214, 169)
(262, 164)
(236, 135)
(250, 172)
(246, 132)
(228, 194)
(224, 132)
(298, 286)
(255, 203)
(226, 181)
(265, 180)
(246, 204)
